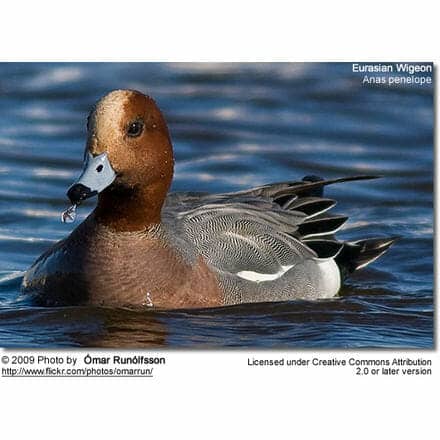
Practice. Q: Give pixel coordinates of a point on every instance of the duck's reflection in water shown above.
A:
(117, 328)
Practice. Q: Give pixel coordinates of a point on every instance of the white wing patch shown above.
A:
(328, 276)
(259, 277)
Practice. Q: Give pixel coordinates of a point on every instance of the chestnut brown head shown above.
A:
(128, 151)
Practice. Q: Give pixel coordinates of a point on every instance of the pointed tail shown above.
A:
(358, 254)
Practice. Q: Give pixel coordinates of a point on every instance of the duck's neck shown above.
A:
(124, 209)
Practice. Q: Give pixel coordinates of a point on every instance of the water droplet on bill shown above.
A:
(69, 215)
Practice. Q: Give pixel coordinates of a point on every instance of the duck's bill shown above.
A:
(97, 174)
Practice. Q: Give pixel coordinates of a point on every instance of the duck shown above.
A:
(145, 247)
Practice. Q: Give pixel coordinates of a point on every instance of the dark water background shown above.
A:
(233, 126)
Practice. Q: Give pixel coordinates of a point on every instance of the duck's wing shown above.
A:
(285, 195)
(293, 208)
(264, 240)
(273, 242)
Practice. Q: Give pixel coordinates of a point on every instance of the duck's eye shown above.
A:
(135, 128)
(99, 168)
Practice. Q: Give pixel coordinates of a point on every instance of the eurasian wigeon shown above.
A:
(143, 247)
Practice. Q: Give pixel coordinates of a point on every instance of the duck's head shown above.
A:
(128, 158)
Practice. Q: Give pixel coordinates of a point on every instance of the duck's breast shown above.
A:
(97, 266)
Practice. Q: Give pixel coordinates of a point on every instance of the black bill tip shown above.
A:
(79, 192)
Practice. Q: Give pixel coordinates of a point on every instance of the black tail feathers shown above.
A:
(321, 226)
(358, 254)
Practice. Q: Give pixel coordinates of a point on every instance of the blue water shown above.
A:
(233, 126)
